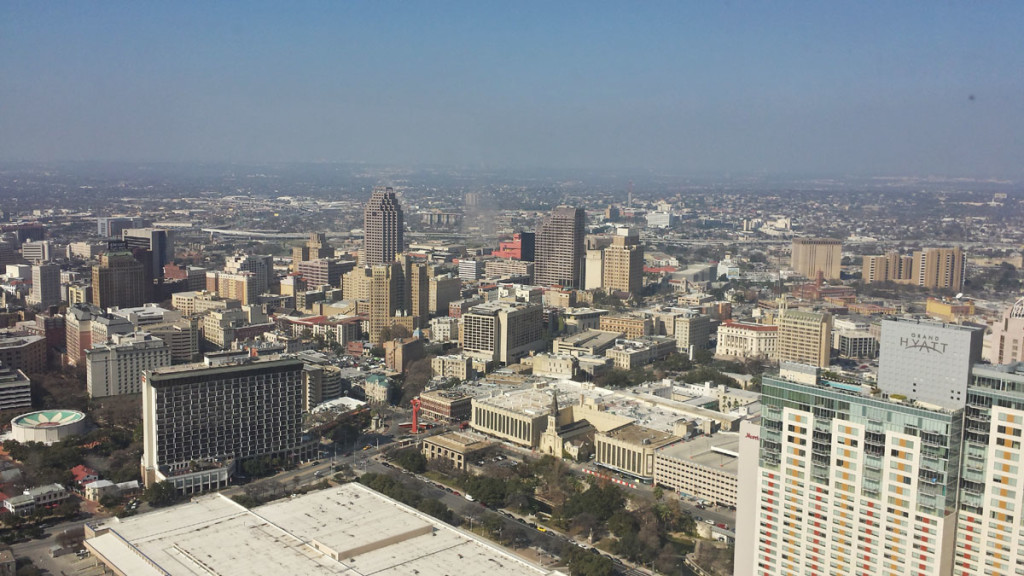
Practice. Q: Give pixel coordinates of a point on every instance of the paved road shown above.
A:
(39, 551)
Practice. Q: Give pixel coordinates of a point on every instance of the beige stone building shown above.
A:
(805, 337)
(631, 326)
(201, 302)
(692, 329)
(631, 449)
(553, 365)
(458, 448)
(629, 354)
(813, 255)
(518, 417)
(453, 366)
(623, 268)
(747, 340)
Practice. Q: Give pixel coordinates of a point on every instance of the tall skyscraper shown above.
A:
(560, 249)
(157, 240)
(386, 298)
(45, 285)
(197, 418)
(915, 474)
(120, 280)
(383, 228)
(813, 255)
(852, 482)
(989, 539)
(623, 268)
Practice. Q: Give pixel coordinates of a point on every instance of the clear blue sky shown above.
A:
(889, 88)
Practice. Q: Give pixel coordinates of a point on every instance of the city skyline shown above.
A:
(782, 89)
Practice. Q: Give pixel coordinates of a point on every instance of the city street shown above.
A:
(39, 552)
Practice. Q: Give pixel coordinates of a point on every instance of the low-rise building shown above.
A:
(41, 496)
(519, 417)
(377, 388)
(630, 449)
(630, 354)
(747, 340)
(589, 342)
(855, 344)
(582, 319)
(553, 365)
(453, 366)
(446, 405)
(705, 467)
(458, 448)
(631, 326)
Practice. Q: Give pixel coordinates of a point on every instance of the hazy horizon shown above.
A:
(782, 89)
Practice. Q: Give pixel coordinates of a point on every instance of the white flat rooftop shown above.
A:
(348, 530)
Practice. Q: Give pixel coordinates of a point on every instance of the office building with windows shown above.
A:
(115, 368)
(989, 538)
(560, 249)
(200, 418)
(503, 332)
(623, 263)
(383, 228)
(120, 280)
(157, 241)
(805, 337)
(45, 285)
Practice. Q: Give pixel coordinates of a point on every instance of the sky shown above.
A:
(825, 88)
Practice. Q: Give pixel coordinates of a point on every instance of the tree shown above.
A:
(415, 380)
(412, 460)
(586, 562)
(71, 537)
(161, 494)
(621, 523)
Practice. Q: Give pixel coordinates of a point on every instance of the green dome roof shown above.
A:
(48, 418)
